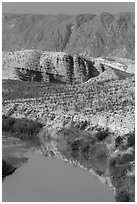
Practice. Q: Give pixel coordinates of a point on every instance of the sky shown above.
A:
(67, 7)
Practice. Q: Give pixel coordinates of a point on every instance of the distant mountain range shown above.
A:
(86, 34)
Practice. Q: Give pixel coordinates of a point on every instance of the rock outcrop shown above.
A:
(35, 65)
(20, 64)
(58, 67)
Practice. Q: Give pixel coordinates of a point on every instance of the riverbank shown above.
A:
(103, 154)
(46, 179)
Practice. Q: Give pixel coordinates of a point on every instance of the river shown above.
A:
(46, 179)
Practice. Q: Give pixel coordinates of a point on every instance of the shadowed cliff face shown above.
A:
(94, 35)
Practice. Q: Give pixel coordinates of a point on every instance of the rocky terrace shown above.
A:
(112, 98)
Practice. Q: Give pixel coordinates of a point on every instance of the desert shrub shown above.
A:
(94, 156)
(86, 152)
(101, 156)
(102, 135)
(7, 123)
(123, 196)
(118, 177)
(93, 150)
(113, 164)
(76, 145)
(83, 125)
(117, 172)
(75, 148)
(63, 146)
(118, 142)
(26, 126)
(24, 129)
(126, 141)
(131, 140)
(127, 157)
(129, 183)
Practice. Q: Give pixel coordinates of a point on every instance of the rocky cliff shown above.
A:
(36, 65)
(58, 67)
(89, 34)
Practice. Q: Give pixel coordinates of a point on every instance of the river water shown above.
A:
(53, 180)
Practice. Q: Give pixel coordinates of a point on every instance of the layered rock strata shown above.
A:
(57, 67)
(35, 65)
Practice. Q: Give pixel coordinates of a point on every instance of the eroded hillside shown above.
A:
(95, 35)
(59, 67)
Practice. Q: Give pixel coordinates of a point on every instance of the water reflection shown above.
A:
(51, 180)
